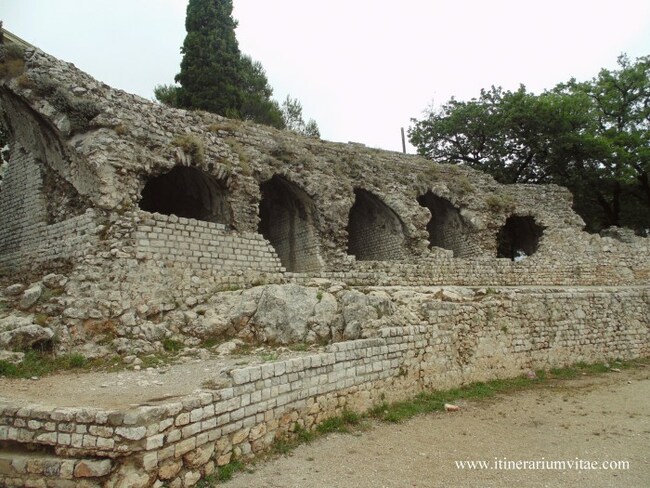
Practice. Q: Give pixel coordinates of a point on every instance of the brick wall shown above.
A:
(25, 238)
(202, 245)
(374, 230)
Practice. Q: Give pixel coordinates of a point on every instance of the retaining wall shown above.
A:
(181, 440)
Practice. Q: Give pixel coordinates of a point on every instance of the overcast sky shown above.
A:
(361, 68)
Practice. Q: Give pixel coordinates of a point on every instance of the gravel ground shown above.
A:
(603, 418)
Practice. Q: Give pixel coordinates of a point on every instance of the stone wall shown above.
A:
(509, 332)
(202, 245)
(287, 220)
(292, 239)
(319, 203)
(26, 239)
(375, 232)
(113, 161)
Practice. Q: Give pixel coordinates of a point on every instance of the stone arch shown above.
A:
(288, 221)
(375, 231)
(519, 237)
(187, 192)
(447, 228)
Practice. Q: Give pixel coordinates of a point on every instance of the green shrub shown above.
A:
(170, 345)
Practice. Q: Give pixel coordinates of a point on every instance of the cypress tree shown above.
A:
(210, 75)
(215, 76)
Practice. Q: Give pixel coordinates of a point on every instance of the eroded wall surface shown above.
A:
(272, 238)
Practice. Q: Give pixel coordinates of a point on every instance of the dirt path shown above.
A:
(126, 388)
(604, 418)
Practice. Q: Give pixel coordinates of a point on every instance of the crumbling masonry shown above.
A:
(124, 223)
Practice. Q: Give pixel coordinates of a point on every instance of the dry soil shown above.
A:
(592, 419)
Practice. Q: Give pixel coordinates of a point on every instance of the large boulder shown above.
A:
(286, 313)
(30, 296)
(362, 312)
(25, 337)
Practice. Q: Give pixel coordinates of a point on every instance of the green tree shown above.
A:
(215, 76)
(211, 75)
(591, 137)
(257, 104)
(621, 106)
(168, 95)
(293, 119)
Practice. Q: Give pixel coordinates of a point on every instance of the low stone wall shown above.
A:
(44, 245)
(202, 245)
(595, 270)
(179, 441)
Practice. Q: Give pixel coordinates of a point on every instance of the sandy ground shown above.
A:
(599, 419)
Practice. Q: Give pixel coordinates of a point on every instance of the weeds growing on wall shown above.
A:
(12, 63)
(192, 146)
(500, 203)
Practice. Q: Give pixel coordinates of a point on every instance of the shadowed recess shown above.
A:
(447, 228)
(518, 238)
(287, 216)
(375, 232)
(187, 192)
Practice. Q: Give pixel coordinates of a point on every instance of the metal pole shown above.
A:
(403, 142)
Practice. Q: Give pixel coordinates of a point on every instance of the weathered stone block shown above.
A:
(92, 469)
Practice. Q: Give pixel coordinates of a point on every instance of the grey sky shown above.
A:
(361, 68)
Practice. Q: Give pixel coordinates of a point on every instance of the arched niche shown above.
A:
(519, 237)
(287, 220)
(375, 231)
(447, 228)
(187, 192)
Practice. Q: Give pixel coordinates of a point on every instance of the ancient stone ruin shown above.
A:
(127, 226)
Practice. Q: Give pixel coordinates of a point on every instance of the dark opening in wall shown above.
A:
(287, 220)
(447, 228)
(187, 192)
(375, 232)
(519, 237)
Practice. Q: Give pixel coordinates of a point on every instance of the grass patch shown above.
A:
(210, 342)
(342, 423)
(12, 64)
(299, 347)
(283, 445)
(36, 363)
(170, 345)
(303, 435)
(226, 472)
(243, 350)
(500, 202)
(243, 157)
(434, 401)
(41, 319)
